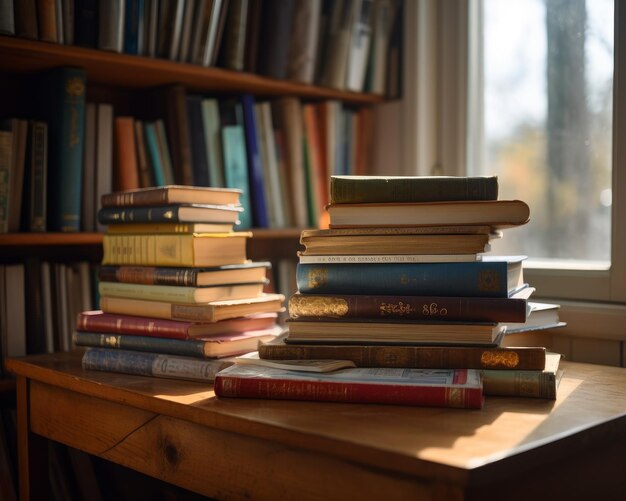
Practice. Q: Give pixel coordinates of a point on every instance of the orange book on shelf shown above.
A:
(126, 173)
(317, 157)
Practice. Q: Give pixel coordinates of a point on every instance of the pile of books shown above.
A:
(401, 287)
(177, 292)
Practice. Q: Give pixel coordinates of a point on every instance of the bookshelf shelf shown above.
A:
(121, 70)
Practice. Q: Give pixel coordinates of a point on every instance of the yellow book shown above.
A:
(193, 250)
(157, 228)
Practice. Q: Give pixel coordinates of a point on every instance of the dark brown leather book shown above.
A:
(425, 357)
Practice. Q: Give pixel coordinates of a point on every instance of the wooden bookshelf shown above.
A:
(24, 56)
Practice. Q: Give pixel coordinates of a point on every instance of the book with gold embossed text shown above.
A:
(461, 388)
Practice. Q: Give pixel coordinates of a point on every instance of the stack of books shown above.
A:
(177, 292)
(400, 286)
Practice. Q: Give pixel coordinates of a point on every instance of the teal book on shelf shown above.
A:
(63, 108)
(154, 155)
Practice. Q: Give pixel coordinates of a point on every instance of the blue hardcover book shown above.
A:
(154, 156)
(133, 26)
(200, 165)
(63, 94)
(255, 166)
(152, 364)
(491, 277)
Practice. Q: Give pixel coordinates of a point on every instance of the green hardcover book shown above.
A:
(398, 189)
(525, 383)
(63, 94)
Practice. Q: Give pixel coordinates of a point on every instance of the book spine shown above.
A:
(38, 177)
(132, 26)
(147, 198)
(183, 348)
(26, 19)
(255, 166)
(65, 96)
(520, 383)
(151, 364)
(414, 357)
(154, 155)
(148, 250)
(213, 141)
(327, 391)
(86, 23)
(47, 19)
(171, 293)
(120, 324)
(429, 308)
(201, 175)
(236, 168)
(478, 279)
(6, 154)
(111, 25)
(425, 189)
(114, 215)
(149, 275)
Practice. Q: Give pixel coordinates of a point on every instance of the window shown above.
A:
(544, 123)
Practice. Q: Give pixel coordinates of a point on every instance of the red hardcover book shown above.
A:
(460, 388)
(111, 323)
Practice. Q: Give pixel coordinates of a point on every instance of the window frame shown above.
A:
(426, 134)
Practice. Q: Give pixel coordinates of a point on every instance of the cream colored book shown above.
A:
(198, 249)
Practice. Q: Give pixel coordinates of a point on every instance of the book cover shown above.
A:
(26, 19)
(234, 39)
(126, 172)
(304, 41)
(142, 228)
(458, 388)
(395, 244)
(417, 357)
(399, 189)
(235, 161)
(88, 196)
(63, 94)
(253, 271)
(256, 176)
(104, 153)
(18, 168)
(6, 156)
(111, 25)
(276, 28)
(477, 279)
(496, 213)
(154, 154)
(133, 26)
(359, 45)
(273, 179)
(213, 141)
(210, 312)
(172, 194)
(392, 331)
(109, 323)
(178, 213)
(361, 306)
(537, 383)
(219, 346)
(181, 294)
(86, 23)
(152, 364)
(201, 173)
(34, 207)
(195, 250)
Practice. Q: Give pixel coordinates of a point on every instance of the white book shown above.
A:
(360, 41)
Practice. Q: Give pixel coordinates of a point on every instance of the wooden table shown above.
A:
(571, 448)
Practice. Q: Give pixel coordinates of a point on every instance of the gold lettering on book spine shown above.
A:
(507, 359)
(318, 307)
(455, 397)
(399, 309)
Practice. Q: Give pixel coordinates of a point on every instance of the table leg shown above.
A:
(32, 450)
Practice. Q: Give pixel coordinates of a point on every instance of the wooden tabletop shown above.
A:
(448, 444)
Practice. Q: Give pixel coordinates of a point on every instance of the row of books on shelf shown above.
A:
(423, 331)
(346, 44)
(54, 168)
